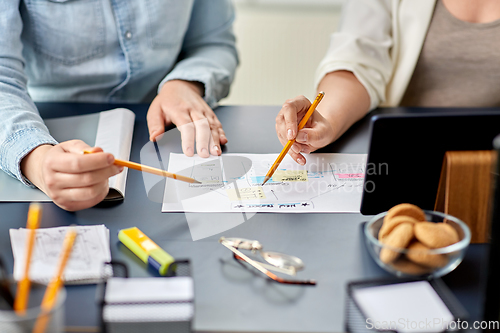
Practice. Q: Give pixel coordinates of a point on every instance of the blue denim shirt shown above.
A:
(103, 51)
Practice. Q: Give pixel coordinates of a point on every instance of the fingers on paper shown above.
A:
(297, 157)
(202, 128)
(214, 142)
(205, 129)
(216, 135)
(222, 136)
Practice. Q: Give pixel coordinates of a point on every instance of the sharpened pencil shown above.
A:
(155, 171)
(53, 288)
(291, 142)
(24, 285)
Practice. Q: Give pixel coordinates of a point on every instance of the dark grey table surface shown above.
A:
(228, 297)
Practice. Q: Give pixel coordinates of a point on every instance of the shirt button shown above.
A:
(128, 35)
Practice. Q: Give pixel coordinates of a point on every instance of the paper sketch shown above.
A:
(86, 262)
(233, 182)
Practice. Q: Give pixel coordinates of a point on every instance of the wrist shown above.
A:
(31, 165)
(195, 86)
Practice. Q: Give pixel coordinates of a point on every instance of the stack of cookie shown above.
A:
(405, 227)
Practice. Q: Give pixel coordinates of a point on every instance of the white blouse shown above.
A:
(379, 41)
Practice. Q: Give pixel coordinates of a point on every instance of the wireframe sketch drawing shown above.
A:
(233, 183)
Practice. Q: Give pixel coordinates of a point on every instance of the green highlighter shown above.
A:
(147, 250)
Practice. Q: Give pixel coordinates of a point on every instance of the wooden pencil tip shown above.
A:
(265, 180)
(197, 182)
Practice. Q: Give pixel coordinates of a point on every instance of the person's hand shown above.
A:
(317, 133)
(181, 103)
(71, 179)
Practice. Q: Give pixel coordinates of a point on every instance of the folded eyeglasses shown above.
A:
(278, 262)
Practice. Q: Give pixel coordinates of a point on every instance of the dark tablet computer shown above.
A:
(407, 149)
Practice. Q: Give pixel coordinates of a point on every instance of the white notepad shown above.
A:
(403, 307)
(85, 264)
(149, 299)
(111, 130)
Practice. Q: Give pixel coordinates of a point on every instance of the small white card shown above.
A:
(149, 299)
(404, 307)
(138, 290)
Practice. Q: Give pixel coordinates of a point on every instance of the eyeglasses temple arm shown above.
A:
(247, 259)
(263, 270)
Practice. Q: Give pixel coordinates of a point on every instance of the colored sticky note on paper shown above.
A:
(290, 176)
(259, 180)
(246, 193)
(350, 175)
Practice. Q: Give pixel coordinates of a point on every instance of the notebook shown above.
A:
(111, 130)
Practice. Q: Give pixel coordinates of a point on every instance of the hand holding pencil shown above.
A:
(148, 169)
(317, 132)
(287, 120)
(71, 180)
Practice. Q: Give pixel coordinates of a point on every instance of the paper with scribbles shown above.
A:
(85, 264)
(233, 182)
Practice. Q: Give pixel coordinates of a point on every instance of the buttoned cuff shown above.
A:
(17, 146)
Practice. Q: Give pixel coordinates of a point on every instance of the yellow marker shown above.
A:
(23, 286)
(147, 250)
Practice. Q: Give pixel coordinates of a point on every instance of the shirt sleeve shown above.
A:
(21, 127)
(208, 52)
(363, 46)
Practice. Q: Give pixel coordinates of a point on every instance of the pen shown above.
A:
(23, 286)
(291, 142)
(155, 171)
(147, 250)
(50, 296)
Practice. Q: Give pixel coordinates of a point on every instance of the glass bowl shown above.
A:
(449, 257)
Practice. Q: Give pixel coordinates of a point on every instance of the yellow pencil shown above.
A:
(23, 286)
(155, 171)
(50, 296)
(291, 142)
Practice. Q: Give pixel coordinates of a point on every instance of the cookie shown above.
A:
(405, 209)
(390, 224)
(436, 235)
(418, 253)
(406, 266)
(399, 238)
(451, 231)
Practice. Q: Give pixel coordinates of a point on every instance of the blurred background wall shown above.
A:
(281, 43)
